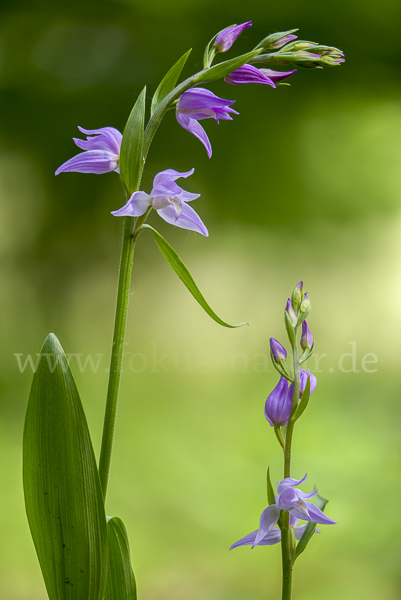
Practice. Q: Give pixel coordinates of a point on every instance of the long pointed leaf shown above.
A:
(176, 263)
(270, 492)
(63, 498)
(304, 401)
(168, 83)
(131, 160)
(224, 68)
(310, 528)
(120, 581)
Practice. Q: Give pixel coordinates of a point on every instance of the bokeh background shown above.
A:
(304, 184)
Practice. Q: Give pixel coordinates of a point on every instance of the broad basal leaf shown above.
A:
(63, 498)
(176, 263)
(120, 579)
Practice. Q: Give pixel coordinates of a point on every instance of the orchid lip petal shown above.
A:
(188, 218)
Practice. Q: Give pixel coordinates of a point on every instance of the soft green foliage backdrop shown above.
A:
(304, 184)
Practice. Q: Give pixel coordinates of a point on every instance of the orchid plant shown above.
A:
(82, 553)
(279, 522)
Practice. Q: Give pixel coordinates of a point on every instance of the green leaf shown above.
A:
(63, 498)
(310, 528)
(224, 68)
(169, 82)
(304, 401)
(120, 581)
(270, 492)
(176, 263)
(131, 160)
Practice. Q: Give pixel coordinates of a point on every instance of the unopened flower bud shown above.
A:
(291, 313)
(305, 375)
(305, 305)
(297, 295)
(307, 337)
(278, 404)
(278, 351)
(225, 39)
(277, 40)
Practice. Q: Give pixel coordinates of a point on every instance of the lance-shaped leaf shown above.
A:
(310, 528)
(224, 68)
(303, 402)
(270, 492)
(131, 160)
(120, 579)
(63, 497)
(176, 263)
(169, 82)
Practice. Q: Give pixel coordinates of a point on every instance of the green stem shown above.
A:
(117, 352)
(287, 550)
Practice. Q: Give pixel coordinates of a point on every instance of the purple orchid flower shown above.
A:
(196, 104)
(278, 404)
(274, 535)
(169, 201)
(225, 39)
(277, 76)
(248, 74)
(278, 351)
(307, 337)
(291, 500)
(101, 152)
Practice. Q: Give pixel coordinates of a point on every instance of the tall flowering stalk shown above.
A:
(283, 407)
(82, 554)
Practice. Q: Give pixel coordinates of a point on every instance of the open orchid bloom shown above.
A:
(169, 201)
(274, 535)
(291, 500)
(196, 104)
(101, 152)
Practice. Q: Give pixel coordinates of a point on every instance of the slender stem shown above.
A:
(286, 538)
(117, 352)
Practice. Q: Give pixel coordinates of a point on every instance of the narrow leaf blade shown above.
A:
(132, 146)
(310, 529)
(224, 68)
(303, 402)
(63, 498)
(168, 83)
(270, 492)
(120, 581)
(178, 266)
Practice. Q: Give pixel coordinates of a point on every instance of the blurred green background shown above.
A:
(304, 184)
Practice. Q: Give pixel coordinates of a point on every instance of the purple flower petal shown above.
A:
(187, 219)
(289, 482)
(225, 39)
(197, 130)
(198, 98)
(277, 76)
(170, 175)
(248, 74)
(317, 516)
(304, 379)
(278, 351)
(268, 519)
(92, 161)
(136, 206)
(110, 137)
